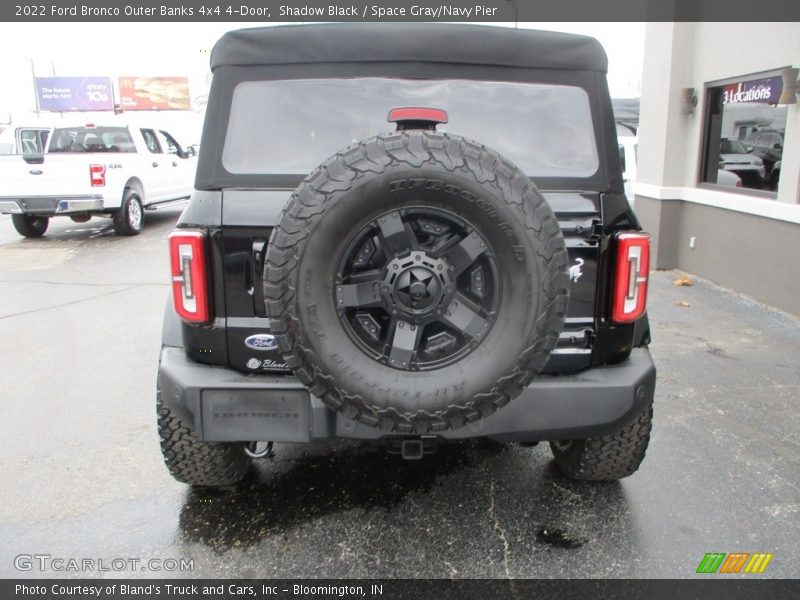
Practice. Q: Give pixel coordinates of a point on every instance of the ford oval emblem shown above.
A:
(261, 341)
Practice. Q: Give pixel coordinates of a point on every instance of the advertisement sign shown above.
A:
(766, 91)
(74, 93)
(154, 93)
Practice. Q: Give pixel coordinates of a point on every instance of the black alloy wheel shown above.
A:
(417, 288)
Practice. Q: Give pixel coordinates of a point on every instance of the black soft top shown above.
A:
(403, 42)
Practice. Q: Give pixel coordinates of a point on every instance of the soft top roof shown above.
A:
(403, 42)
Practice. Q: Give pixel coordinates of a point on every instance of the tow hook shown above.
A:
(251, 449)
(412, 448)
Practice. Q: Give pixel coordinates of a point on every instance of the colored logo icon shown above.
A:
(735, 562)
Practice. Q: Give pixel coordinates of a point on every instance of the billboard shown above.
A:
(154, 93)
(74, 93)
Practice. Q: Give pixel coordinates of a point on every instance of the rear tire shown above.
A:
(129, 219)
(606, 458)
(211, 464)
(30, 226)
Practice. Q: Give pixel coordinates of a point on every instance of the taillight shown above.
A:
(434, 115)
(632, 268)
(189, 274)
(97, 175)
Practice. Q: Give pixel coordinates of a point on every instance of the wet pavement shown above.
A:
(80, 318)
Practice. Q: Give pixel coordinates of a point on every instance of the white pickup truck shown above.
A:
(95, 170)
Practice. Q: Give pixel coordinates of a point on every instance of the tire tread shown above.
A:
(212, 464)
(610, 457)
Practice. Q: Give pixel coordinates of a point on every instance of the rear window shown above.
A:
(288, 127)
(92, 139)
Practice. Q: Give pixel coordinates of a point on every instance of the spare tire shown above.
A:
(416, 281)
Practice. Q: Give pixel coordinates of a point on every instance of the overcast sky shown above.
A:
(170, 49)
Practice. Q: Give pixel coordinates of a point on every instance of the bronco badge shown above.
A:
(575, 270)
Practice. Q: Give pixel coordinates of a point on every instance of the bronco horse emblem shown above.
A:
(575, 270)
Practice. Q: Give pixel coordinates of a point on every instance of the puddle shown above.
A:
(280, 497)
(559, 538)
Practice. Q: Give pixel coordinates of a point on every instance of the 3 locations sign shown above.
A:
(74, 93)
(154, 93)
(766, 91)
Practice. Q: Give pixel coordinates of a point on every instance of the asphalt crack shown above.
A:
(501, 533)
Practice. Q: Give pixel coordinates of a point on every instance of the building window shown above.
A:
(744, 131)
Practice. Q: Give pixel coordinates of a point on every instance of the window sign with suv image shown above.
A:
(409, 244)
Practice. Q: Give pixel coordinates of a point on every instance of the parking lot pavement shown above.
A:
(82, 477)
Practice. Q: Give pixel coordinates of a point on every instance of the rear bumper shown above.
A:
(51, 205)
(225, 405)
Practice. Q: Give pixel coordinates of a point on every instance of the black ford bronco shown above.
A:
(408, 235)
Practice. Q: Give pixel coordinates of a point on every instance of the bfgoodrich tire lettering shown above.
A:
(401, 173)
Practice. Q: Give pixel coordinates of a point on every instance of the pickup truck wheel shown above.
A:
(212, 464)
(30, 226)
(606, 458)
(129, 219)
(416, 282)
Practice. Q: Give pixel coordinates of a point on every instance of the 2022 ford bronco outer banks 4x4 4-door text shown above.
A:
(407, 234)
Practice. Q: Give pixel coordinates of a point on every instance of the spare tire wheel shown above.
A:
(416, 281)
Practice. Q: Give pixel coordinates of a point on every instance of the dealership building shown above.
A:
(723, 96)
